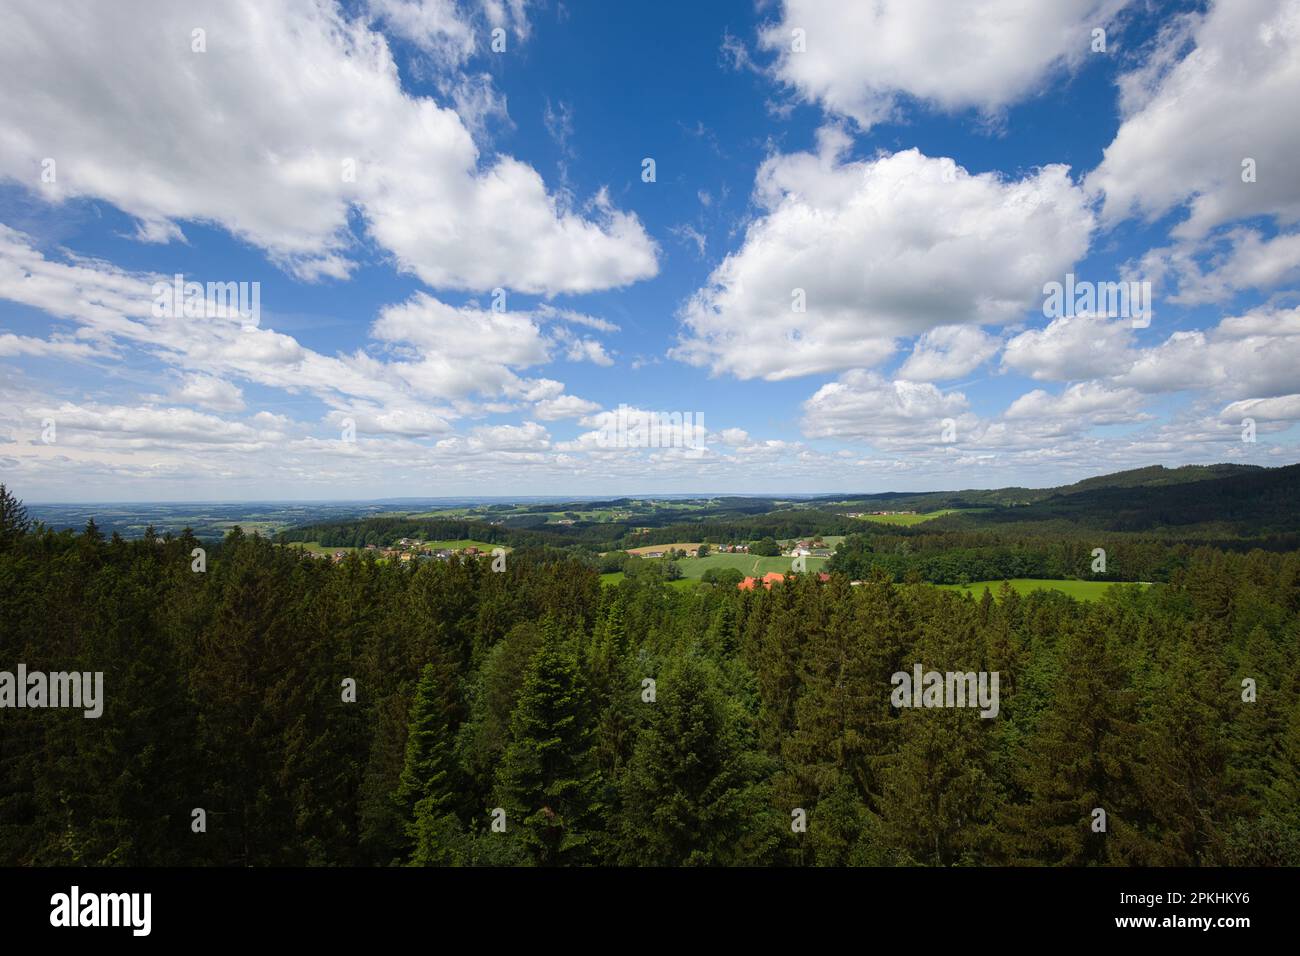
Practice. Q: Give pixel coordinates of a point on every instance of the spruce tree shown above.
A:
(426, 790)
(691, 796)
(548, 781)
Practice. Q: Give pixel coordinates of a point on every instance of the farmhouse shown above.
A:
(772, 577)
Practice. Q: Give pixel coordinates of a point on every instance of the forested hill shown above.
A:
(1159, 476)
(1154, 476)
(1252, 503)
(1223, 504)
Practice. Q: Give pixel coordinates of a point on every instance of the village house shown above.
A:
(772, 577)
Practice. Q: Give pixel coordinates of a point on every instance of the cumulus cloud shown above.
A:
(1221, 90)
(1217, 268)
(892, 246)
(861, 60)
(1249, 356)
(1094, 402)
(863, 405)
(565, 406)
(1071, 347)
(246, 137)
(1282, 408)
(948, 352)
(209, 392)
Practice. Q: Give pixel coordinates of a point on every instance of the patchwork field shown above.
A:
(1080, 590)
(680, 546)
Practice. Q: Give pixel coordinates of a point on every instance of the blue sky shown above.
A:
(913, 172)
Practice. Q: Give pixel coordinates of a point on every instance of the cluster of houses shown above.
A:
(808, 549)
(872, 514)
(410, 549)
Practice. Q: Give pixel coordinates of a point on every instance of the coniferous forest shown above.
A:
(386, 714)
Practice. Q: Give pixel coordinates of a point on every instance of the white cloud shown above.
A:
(888, 247)
(1250, 356)
(143, 425)
(210, 392)
(948, 352)
(528, 437)
(411, 422)
(1192, 120)
(1217, 268)
(565, 406)
(441, 28)
(863, 405)
(1092, 402)
(549, 312)
(1282, 408)
(588, 350)
(462, 334)
(689, 234)
(14, 345)
(253, 136)
(862, 59)
(1070, 348)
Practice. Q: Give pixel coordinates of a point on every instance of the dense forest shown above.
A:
(534, 717)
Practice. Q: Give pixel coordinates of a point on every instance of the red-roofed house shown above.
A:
(772, 577)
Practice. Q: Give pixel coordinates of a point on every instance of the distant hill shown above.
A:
(1155, 476)
(1244, 502)
(1158, 476)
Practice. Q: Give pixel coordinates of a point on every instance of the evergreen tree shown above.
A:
(691, 796)
(548, 782)
(426, 791)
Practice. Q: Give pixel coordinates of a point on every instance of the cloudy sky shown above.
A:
(479, 227)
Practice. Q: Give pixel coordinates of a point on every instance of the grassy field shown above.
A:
(614, 577)
(1081, 590)
(908, 520)
(461, 544)
(679, 546)
(747, 564)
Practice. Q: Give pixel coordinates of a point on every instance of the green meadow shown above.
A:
(1080, 590)
(908, 520)
(746, 564)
